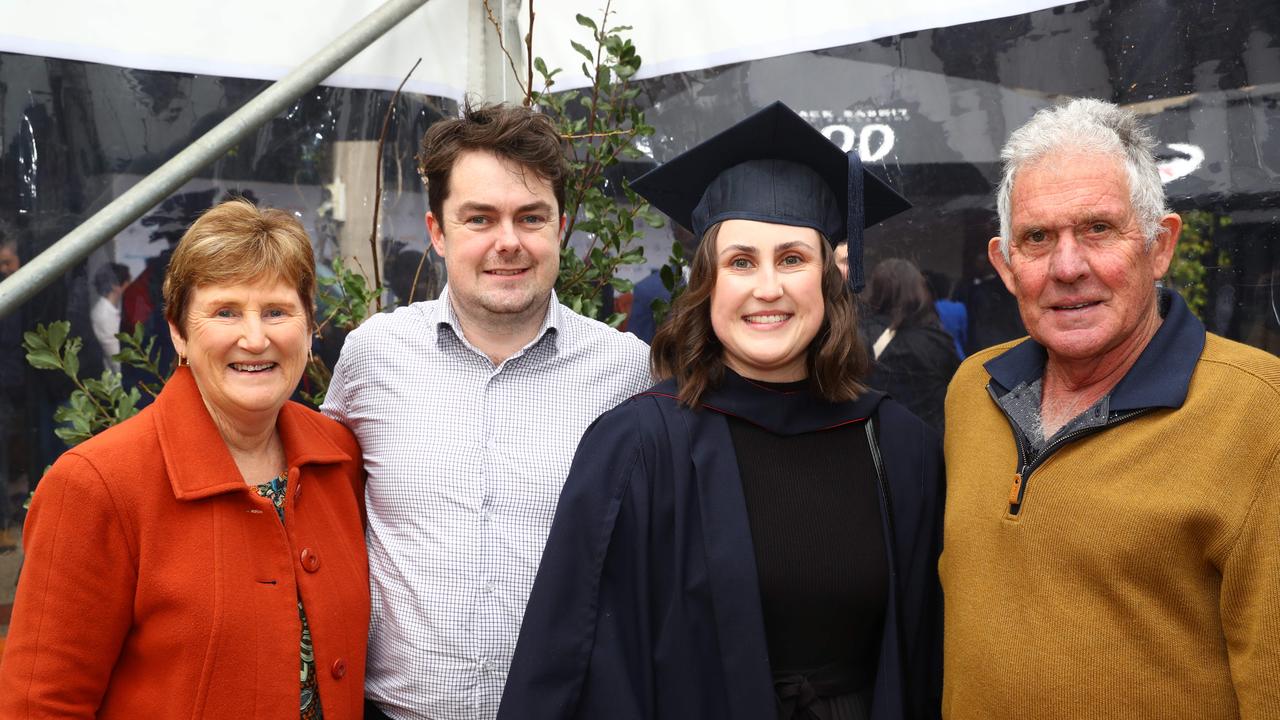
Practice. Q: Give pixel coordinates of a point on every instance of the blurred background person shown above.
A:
(108, 282)
(174, 568)
(914, 357)
(992, 309)
(10, 261)
(640, 321)
(951, 313)
(13, 481)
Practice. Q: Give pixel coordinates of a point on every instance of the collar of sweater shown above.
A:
(1159, 378)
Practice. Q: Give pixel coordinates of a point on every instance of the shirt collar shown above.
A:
(196, 458)
(443, 315)
(1159, 378)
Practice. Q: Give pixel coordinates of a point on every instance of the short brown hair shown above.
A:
(511, 132)
(236, 242)
(686, 346)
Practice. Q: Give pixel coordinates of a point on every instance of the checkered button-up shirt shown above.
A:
(465, 463)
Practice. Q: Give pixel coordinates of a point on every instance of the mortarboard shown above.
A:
(773, 167)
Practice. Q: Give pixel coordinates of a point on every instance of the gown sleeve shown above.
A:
(913, 458)
(584, 645)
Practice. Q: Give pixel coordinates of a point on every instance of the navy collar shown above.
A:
(778, 411)
(1159, 378)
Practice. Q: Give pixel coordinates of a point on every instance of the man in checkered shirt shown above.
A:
(468, 409)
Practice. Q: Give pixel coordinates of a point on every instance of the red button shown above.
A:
(338, 669)
(310, 560)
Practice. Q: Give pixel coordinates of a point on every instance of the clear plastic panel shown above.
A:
(930, 108)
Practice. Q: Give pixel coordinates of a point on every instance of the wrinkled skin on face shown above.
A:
(247, 345)
(1078, 264)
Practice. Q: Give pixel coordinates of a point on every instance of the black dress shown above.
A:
(649, 603)
(814, 510)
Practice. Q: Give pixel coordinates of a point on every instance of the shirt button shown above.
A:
(338, 669)
(310, 560)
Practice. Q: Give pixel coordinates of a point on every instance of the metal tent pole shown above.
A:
(151, 190)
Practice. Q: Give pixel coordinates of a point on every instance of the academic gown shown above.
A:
(647, 603)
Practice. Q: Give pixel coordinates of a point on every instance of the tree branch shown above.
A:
(497, 27)
(377, 188)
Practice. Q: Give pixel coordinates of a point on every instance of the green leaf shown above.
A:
(80, 422)
(668, 277)
(541, 66)
(43, 360)
(71, 363)
(58, 332)
(96, 387)
(584, 52)
(71, 437)
(616, 319)
(32, 340)
(585, 21)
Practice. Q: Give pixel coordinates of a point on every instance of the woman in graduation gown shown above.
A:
(756, 537)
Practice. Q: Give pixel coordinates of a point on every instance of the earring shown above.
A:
(182, 361)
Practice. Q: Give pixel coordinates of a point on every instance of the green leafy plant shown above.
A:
(600, 125)
(346, 298)
(97, 403)
(1195, 254)
(138, 350)
(671, 275)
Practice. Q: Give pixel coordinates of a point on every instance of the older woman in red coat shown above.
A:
(190, 561)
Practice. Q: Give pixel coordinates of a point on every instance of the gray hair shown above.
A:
(1087, 126)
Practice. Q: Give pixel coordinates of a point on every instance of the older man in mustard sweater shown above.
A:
(1112, 542)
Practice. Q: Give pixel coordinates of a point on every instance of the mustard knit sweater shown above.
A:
(1141, 575)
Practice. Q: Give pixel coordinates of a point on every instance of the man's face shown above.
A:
(500, 239)
(9, 262)
(1077, 259)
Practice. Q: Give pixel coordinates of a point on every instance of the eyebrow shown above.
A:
(216, 302)
(471, 206)
(751, 250)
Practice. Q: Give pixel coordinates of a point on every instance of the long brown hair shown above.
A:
(898, 291)
(686, 347)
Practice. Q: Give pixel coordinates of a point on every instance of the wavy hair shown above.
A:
(1085, 125)
(686, 347)
(514, 133)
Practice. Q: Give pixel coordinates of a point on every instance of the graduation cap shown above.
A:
(774, 167)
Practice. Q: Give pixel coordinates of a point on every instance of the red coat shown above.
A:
(157, 584)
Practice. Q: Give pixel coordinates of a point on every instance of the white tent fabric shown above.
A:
(262, 39)
(256, 39)
(683, 35)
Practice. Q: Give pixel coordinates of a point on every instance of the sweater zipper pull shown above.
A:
(1015, 493)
